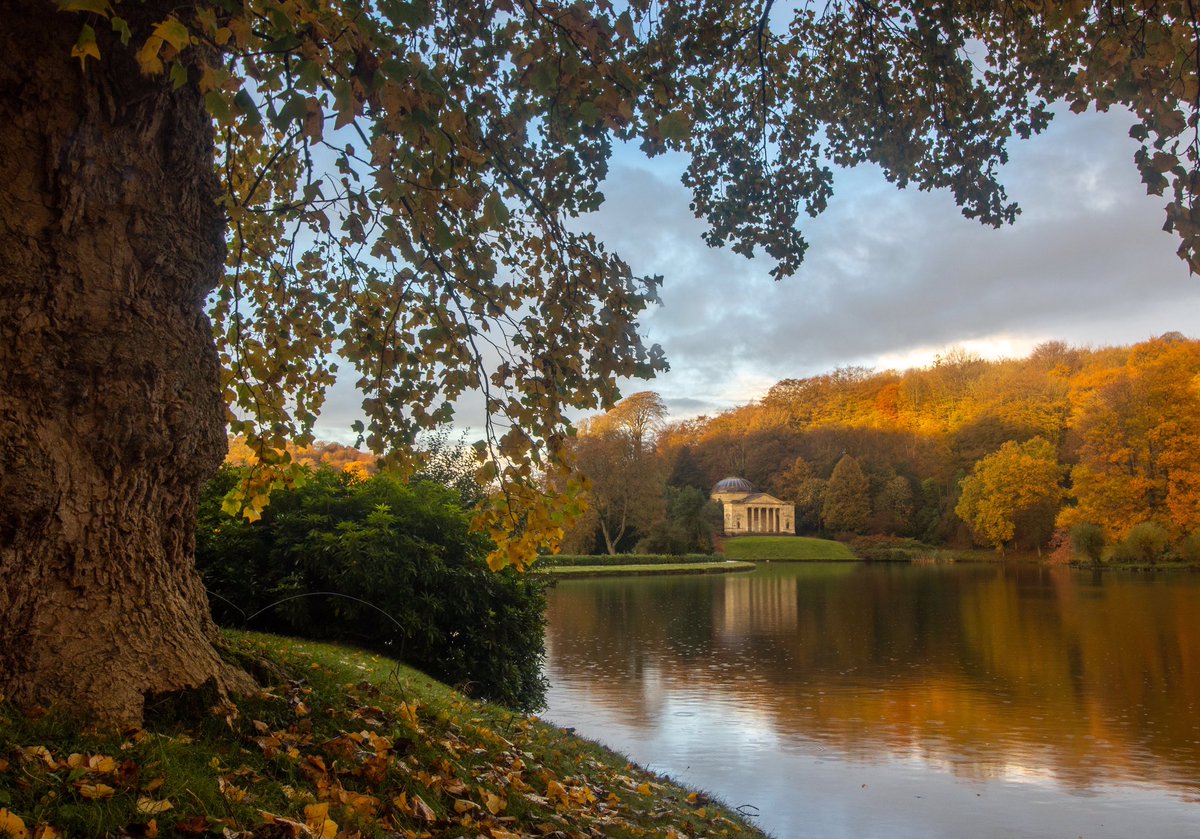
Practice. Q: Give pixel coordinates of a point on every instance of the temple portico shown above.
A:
(747, 511)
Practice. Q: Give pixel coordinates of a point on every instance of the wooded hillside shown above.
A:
(1068, 435)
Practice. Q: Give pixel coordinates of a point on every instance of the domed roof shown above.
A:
(733, 485)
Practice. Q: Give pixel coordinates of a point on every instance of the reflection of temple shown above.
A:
(747, 511)
(762, 605)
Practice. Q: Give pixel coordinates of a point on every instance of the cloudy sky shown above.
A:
(894, 277)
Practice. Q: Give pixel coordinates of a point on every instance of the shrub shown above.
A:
(380, 564)
(1189, 548)
(1059, 550)
(880, 548)
(1146, 542)
(1087, 541)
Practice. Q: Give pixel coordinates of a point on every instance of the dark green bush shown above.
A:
(686, 527)
(880, 548)
(383, 565)
(1087, 541)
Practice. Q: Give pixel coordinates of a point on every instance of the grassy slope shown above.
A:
(787, 548)
(350, 743)
(709, 567)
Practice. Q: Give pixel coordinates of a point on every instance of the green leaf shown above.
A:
(295, 108)
(246, 106)
(674, 126)
(216, 105)
(495, 213)
(179, 75)
(121, 27)
(174, 33)
(85, 46)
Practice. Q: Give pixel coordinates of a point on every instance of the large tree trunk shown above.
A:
(110, 410)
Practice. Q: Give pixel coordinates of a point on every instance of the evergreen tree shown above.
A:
(847, 504)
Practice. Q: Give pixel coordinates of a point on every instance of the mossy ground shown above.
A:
(786, 549)
(347, 745)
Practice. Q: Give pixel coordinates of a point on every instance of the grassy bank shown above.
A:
(634, 569)
(344, 744)
(786, 549)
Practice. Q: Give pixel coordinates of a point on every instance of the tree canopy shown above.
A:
(399, 176)
(401, 184)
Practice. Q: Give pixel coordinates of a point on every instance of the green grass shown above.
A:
(624, 559)
(712, 566)
(786, 549)
(342, 737)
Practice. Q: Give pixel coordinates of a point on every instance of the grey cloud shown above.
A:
(891, 271)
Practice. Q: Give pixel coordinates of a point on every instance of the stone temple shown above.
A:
(747, 511)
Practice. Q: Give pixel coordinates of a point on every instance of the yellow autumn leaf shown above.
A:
(95, 791)
(643, 789)
(48, 832)
(461, 805)
(102, 764)
(316, 816)
(39, 753)
(499, 833)
(494, 803)
(12, 825)
(173, 32)
(147, 806)
(85, 46)
(147, 57)
(400, 802)
(409, 712)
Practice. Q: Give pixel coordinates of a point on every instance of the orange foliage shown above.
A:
(1124, 420)
(334, 455)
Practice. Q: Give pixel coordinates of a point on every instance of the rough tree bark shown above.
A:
(110, 410)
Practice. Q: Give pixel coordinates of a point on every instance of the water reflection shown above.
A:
(993, 682)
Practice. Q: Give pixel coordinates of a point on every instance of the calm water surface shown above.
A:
(898, 701)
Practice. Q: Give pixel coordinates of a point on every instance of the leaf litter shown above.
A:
(393, 755)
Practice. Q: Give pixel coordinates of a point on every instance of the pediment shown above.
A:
(758, 498)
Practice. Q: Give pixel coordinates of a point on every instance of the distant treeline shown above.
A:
(1001, 453)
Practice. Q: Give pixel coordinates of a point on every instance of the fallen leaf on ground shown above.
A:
(149, 807)
(316, 816)
(13, 825)
(422, 810)
(95, 791)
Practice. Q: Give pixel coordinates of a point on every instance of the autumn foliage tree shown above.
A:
(1139, 431)
(393, 181)
(625, 482)
(1017, 481)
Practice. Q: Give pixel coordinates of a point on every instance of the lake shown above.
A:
(855, 700)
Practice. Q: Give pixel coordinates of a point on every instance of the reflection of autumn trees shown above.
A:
(1123, 421)
(992, 670)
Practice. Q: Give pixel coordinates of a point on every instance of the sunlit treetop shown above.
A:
(400, 178)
